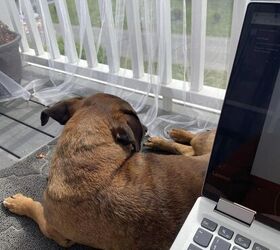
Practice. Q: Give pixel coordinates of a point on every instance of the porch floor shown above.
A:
(21, 132)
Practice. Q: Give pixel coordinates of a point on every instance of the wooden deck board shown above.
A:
(20, 139)
(21, 132)
(29, 113)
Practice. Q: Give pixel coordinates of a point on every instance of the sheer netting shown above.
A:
(160, 30)
(52, 89)
(10, 89)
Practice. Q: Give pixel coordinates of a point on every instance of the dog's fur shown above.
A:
(102, 192)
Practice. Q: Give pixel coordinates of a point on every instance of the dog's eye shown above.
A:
(123, 139)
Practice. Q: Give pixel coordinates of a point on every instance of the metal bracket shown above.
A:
(236, 211)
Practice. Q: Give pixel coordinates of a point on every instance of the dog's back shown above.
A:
(142, 206)
(107, 198)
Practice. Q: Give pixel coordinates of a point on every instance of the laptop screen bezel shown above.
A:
(251, 8)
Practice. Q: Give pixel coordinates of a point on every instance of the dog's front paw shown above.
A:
(175, 134)
(154, 142)
(65, 243)
(181, 135)
(18, 204)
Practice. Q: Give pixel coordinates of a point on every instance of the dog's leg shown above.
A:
(202, 143)
(22, 205)
(158, 143)
(181, 135)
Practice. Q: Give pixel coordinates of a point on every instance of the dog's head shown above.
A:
(125, 125)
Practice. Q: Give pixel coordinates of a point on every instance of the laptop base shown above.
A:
(228, 233)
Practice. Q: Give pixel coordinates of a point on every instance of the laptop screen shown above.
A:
(245, 161)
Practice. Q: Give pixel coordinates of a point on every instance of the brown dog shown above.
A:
(102, 192)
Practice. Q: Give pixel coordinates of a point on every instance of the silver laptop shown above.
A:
(240, 203)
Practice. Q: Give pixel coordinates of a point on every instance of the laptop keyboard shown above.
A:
(204, 237)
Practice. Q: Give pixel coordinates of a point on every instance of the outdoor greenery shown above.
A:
(102, 58)
(218, 25)
(218, 15)
(215, 78)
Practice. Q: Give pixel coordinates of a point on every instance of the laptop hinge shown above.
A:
(236, 211)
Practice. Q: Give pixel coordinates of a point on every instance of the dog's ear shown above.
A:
(137, 129)
(131, 132)
(61, 112)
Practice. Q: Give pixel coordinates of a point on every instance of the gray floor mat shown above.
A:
(29, 177)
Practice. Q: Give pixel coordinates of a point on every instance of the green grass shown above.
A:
(101, 55)
(178, 72)
(177, 13)
(60, 44)
(215, 78)
(93, 12)
(219, 15)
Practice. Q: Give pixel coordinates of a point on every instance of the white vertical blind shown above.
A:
(164, 40)
(88, 36)
(44, 11)
(156, 40)
(65, 25)
(14, 14)
(198, 35)
(135, 36)
(107, 21)
(32, 26)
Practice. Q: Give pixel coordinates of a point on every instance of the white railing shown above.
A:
(197, 94)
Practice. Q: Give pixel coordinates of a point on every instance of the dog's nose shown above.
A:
(145, 129)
